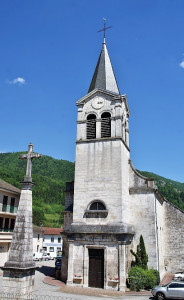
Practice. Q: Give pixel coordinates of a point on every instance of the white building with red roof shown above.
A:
(52, 240)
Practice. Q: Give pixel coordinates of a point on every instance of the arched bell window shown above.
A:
(91, 126)
(106, 125)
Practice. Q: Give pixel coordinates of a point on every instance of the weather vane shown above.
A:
(105, 28)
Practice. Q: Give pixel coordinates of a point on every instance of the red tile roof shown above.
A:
(53, 231)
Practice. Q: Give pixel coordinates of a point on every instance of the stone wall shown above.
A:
(160, 223)
(142, 207)
(174, 238)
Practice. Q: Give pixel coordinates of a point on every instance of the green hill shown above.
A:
(171, 190)
(50, 175)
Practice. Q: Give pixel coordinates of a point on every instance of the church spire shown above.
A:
(104, 77)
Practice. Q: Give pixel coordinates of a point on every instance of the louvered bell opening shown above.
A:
(106, 125)
(91, 127)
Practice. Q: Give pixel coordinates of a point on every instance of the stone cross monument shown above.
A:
(19, 270)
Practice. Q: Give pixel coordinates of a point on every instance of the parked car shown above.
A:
(53, 255)
(58, 263)
(46, 256)
(179, 276)
(37, 256)
(172, 290)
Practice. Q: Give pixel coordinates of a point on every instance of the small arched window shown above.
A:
(96, 209)
(91, 126)
(106, 125)
(97, 205)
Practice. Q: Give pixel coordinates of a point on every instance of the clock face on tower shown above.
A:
(98, 102)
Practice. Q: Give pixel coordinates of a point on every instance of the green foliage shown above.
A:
(139, 278)
(150, 279)
(156, 274)
(141, 257)
(171, 190)
(49, 175)
(136, 278)
(38, 216)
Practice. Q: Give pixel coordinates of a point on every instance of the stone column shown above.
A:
(122, 273)
(70, 264)
(98, 128)
(19, 270)
(86, 267)
(118, 119)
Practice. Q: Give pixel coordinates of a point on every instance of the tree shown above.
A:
(141, 257)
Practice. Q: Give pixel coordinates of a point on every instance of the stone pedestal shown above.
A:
(19, 282)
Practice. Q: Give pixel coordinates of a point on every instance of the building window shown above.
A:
(12, 224)
(91, 126)
(5, 201)
(45, 249)
(52, 239)
(96, 210)
(97, 205)
(38, 237)
(6, 225)
(51, 249)
(59, 240)
(1, 224)
(12, 204)
(106, 125)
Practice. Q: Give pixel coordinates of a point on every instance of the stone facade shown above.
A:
(111, 204)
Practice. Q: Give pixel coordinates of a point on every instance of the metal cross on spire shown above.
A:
(105, 28)
(29, 156)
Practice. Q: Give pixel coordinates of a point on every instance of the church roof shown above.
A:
(104, 77)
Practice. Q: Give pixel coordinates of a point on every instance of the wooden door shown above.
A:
(96, 268)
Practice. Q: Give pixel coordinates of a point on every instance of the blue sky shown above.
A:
(49, 49)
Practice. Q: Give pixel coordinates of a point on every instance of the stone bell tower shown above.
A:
(97, 223)
(102, 147)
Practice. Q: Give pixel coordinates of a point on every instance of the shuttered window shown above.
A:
(106, 125)
(91, 127)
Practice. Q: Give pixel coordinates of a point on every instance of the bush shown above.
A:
(157, 275)
(139, 278)
(150, 279)
(136, 277)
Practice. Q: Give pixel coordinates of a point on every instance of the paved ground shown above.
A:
(46, 284)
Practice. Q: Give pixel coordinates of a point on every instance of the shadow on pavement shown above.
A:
(46, 270)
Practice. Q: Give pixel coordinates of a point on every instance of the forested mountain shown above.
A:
(50, 175)
(171, 190)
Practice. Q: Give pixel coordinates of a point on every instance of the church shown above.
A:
(109, 204)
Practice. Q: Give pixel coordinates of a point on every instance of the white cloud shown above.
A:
(18, 80)
(182, 64)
